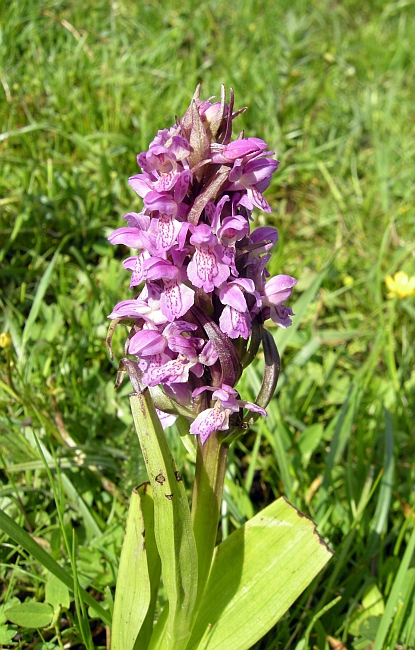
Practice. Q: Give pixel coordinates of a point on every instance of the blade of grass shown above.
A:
(91, 526)
(284, 337)
(386, 486)
(398, 589)
(403, 604)
(82, 617)
(57, 489)
(251, 469)
(20, 536)
(40, 293)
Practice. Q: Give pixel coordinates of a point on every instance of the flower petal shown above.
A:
(176, 299)
(128, 236)
(209, 421)
(147, 343)
(231, 294)
(206, 270)
(278, 289)
(166, 419)
(234, 323)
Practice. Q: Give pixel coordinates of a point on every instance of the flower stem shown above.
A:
(206, 503)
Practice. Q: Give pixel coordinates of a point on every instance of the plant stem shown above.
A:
(206, 503)
(390, 346)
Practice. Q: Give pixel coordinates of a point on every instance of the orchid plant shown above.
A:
(196, 323)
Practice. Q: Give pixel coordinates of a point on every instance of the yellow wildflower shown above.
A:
(5, 340)
(400, 284)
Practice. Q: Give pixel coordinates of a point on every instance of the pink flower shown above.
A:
(206, 268)
(217, 418)
(278, 290)
(201, 273)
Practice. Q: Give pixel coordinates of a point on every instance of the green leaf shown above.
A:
(372, 605)
(6, 634)
(57, 593)
(159, 633)
(31, 614)
(16, 532)
(309, 440)
(172, 526)
(138, 576)
(257, 573)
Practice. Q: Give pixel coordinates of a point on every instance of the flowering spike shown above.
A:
(204, 290)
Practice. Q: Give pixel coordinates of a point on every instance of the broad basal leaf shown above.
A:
(257, 573)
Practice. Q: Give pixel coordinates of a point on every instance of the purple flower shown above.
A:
(235, 323)
(206, 268)
(263, 238)
(160, 369)
(281, 315)
(201, 274)
(238, 149)
(166, 419)
(217, 418)
(235, 319)
(177, 298)
(136, 265)
(147, 343)
(254, 177)
(278, 290)
(147, 309)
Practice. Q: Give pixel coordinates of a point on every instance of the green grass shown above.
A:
(330, 87)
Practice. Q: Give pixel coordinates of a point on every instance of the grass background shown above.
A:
(330, 86)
